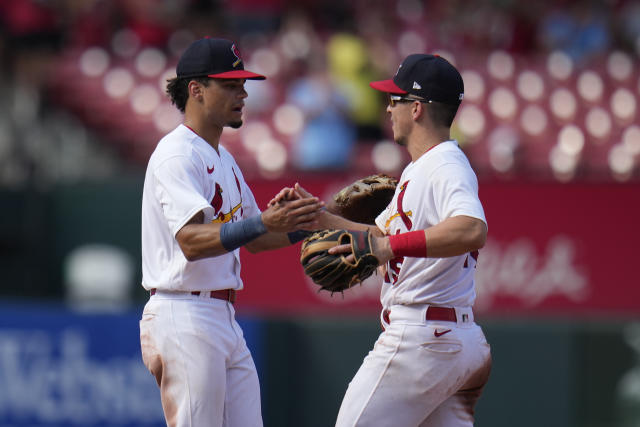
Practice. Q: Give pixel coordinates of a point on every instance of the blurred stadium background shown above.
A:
(550, 122)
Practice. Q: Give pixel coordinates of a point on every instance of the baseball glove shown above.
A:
(363, 200)
(333, 272)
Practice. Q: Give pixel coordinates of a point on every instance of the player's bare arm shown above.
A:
(455, 236)
(452, 237)
(268, 242)
(198, 240)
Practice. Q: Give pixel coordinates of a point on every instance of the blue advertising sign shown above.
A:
(63, 368)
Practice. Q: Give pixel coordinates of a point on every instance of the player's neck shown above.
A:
(422, 140)
(211, 134)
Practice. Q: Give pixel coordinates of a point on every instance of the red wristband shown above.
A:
(412, 243)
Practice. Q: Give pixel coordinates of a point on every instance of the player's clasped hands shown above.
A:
(379, 245)
(287, 213)
(287, 193)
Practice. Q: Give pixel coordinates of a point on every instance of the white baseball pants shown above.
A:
(196, 350)
(419, 373)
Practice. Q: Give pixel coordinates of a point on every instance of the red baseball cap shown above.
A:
(429, 77)
(212, 57)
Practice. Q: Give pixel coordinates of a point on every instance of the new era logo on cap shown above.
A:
(217, 58)
(429, 77)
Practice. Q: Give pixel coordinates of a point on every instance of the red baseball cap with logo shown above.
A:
(212, 57)
(429, 77)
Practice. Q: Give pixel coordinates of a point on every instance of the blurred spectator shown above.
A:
(202, 18)
(350, 69)
(87, 22)
(298, 44)
(523, 28)
(580, 30)
(328, 137)
(485, 25)
(629, 25)
(150, 20)
(29, 22)
(254, 17)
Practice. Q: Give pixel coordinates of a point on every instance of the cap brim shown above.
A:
(238, 74)
(387, 86)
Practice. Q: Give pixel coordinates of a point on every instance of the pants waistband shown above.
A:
(223, 294)
(422, 313)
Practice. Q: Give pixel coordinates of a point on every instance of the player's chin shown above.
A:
(235, 124)
(400, 140)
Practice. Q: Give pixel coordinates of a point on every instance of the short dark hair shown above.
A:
(178, 90)
(442, 114)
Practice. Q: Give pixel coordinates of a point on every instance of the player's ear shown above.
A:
(195, 89)
(418, 109)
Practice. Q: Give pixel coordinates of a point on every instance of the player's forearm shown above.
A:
(455, 236)
(452, 237)
(268, 242)
(199, 241)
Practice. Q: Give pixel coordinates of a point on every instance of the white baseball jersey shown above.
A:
(426, 195)
(186, 175)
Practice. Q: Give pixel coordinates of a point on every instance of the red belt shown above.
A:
(224, 294)
(447, 314)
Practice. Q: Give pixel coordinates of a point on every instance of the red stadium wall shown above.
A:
(553, 249)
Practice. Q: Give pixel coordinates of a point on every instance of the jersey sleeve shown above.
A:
(180, 192)
(455, 191)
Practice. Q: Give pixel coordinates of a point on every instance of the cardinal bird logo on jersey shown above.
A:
(228, 217)
(404, 216)
(216, 202)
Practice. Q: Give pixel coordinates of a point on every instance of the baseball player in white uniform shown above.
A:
(197, 211)
(429, 365)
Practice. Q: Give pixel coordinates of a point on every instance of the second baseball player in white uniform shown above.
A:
(197, 211)
(431, 362)
(429, 365)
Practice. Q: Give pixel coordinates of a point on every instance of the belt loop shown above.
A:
(465, 315)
